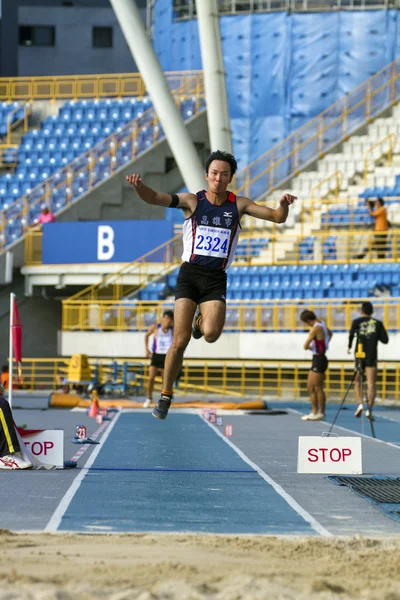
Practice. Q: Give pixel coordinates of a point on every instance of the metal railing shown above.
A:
(331, 184)
(272, 316)
(94, 166)
(186, 9)
(382, 149)
(318, 136)
(285, 380)
(67, 87)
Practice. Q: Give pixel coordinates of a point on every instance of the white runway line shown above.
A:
(66, 500)
(279, 489)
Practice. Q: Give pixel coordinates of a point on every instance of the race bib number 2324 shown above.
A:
(212, 241)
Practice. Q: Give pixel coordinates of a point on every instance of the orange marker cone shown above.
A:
(94, 407)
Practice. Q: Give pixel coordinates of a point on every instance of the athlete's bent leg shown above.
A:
(212, 319)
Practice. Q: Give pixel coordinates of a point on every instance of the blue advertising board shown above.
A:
(103, 241)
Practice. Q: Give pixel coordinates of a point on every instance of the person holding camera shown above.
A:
(369, 332)
(378, 211)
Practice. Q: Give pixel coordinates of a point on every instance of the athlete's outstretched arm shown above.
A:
(185, 201)
(275, 215)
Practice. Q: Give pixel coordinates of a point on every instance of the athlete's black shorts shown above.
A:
(200, 284)
(368, 361)
(158, 360)
(319, 363)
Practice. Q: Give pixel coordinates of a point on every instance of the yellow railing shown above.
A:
(11, 124)
(242, 315)
(318, 136)
(92, 167)
(384, 148)
(285, 380)
(150, 267)
(331, 184)
(82, 86)
(7, 150)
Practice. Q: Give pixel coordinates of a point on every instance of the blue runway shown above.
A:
(176, 476)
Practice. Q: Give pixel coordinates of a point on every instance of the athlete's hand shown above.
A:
(148, 354)
(134, 180)
(348, 350)
(287, 200)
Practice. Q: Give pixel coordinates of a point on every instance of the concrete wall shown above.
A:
(41, 321)
(257, 346)
(73, 53)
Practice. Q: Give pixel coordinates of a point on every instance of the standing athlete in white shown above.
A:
(163, 334)
(210, 235)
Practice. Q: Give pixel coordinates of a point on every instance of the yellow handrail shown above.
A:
(11, 124)
(102, 155)
(74, 87)
(337, 176)
(392, 140)
(271, 316)
(141, 267)
(315, 138)
(240, 378)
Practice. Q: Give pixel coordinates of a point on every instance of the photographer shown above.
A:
(378, 211)
(369, 332)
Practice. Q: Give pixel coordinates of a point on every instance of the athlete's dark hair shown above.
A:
(226, 157)
(168, 313)
(381, 200)
(308, 315)
(367, 308)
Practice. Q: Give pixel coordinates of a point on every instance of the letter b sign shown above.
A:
(105, 242)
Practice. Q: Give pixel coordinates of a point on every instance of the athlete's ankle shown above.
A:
(167, 393)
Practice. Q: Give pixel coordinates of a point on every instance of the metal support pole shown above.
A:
(177, 135)
(214, 75)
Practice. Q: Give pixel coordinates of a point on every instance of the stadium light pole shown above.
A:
(214, 75)
(177, 135)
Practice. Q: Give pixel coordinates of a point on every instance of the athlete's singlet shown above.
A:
(319, 347)
(210, 234)
(162, 340)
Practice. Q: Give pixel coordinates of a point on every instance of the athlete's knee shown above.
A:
(180, 343)
(211, 335)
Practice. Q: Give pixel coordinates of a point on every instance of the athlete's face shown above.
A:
(218, 176)
(166, 322)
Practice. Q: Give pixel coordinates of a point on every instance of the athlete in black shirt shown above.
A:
(369, 332)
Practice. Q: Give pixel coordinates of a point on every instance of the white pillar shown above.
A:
(177, 135)
(214, 75)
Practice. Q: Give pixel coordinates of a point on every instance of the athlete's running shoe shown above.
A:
(359, 410)
(196, 331)
(313, 417)
(146, 403)
(160, 411)
(13, 461)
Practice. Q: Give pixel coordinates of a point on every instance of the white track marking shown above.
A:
(364, 435)
(61, 509)
(279, 489)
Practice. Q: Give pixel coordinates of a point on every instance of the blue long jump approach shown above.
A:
(176, 476)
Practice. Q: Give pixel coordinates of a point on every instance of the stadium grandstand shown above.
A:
(306, 96)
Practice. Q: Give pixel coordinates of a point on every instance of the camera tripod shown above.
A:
(358, 368)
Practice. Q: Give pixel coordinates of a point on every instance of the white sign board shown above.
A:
(47, 446)
(329, 455)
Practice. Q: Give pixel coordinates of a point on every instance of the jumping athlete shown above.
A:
(163, 335)
(210, 236)
(318, 342)
(369, 332)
